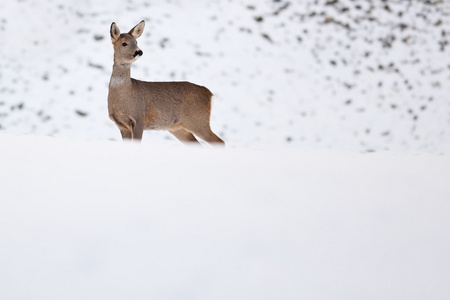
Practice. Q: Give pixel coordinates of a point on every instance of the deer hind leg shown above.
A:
(184, 136)
(206, 134)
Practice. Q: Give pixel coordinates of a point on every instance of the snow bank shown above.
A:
(107, 220)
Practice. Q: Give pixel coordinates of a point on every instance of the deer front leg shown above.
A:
(126, 133)
(129, 128)
(138, 130)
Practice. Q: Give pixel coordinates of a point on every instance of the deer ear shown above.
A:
(115, 32)
(137, 30)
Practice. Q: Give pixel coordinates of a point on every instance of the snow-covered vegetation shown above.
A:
(367, 75)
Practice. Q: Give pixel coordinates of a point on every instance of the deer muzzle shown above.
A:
(138, 53)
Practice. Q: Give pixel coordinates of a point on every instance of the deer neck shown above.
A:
(120, 75)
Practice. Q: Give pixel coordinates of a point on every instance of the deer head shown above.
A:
(126, 50)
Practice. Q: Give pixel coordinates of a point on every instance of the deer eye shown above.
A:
(124, 44)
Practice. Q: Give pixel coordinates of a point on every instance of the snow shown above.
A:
(90, 220)
(333, 184)
(353, 75)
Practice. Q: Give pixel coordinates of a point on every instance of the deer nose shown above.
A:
(139, 52)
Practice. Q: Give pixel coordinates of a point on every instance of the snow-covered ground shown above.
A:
(109, 220)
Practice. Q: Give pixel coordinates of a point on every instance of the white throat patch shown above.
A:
(116, 80)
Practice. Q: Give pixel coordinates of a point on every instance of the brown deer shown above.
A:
(182, 108)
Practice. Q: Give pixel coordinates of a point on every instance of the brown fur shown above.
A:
(182, 108)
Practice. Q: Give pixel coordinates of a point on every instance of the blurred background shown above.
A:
(365, 75)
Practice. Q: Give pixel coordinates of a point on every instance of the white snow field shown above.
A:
(109, 220)
(334, 183)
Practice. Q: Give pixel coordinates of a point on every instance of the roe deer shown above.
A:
(182, 108)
